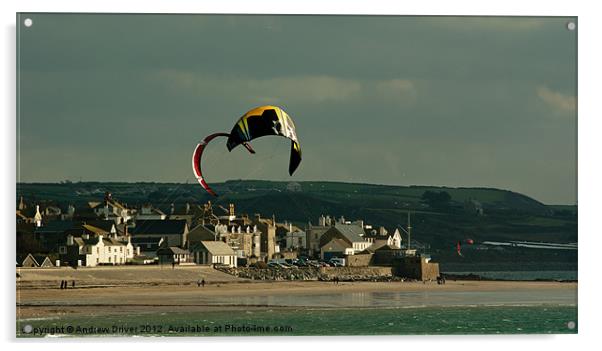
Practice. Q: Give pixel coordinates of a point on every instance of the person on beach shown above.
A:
(198, 283)
(62, 284)
(203, 283)
(73, 284)
(173, 265)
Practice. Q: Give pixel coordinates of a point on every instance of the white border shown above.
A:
(589, 164)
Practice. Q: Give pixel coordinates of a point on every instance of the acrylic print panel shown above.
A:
(227, 175)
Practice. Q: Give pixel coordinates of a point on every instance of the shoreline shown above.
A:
(262, 296)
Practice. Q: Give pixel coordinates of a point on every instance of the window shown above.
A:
(109, 259)
(62, 250)
(120, 249)
(98, 250)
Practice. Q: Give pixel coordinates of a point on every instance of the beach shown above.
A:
(107, 291)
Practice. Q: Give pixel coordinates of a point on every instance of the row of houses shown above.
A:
(111, 233)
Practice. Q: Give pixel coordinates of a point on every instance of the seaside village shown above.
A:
(109, 233)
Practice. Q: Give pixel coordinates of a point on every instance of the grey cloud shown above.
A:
(396, 100)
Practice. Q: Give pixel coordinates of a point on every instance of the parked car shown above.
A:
(337, 262)
(300, 263)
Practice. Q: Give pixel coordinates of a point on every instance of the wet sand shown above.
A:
(43, 301)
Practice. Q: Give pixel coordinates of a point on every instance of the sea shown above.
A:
(550, 311)
(522, 275)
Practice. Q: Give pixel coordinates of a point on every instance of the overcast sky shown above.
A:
(488, 102)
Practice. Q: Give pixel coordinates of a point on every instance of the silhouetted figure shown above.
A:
(73, 284)
(173, 265)
(62, 284)
(203, 283)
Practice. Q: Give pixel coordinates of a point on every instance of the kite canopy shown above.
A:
(198, 154)
(196, 160)
(260, 121)
(266, 120)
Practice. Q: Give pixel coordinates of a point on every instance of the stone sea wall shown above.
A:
(322, 274)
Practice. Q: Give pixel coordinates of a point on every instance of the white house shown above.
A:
(93, 251)
(213, 252)
(350, 233)
(395, 239)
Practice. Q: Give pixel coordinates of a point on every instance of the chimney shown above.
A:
(69, 240)
(38, 217)
(257, 217)
(173, 208)
(322, 221)
(187, 208)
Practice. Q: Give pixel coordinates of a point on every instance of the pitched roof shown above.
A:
(179, 251)
(387, 248)
(377, 245)
(106, 225)
(218, 248)
(94, 229)
(116, 204)
(335, 245)
(201, 233)
(157, 226)
(80, 241)
(112, 242)
(40, 259)
(22, 258)
(353, 232)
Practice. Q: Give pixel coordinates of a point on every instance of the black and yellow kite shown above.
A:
(258, 122)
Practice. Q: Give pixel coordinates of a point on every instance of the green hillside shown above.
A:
(506, 215)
